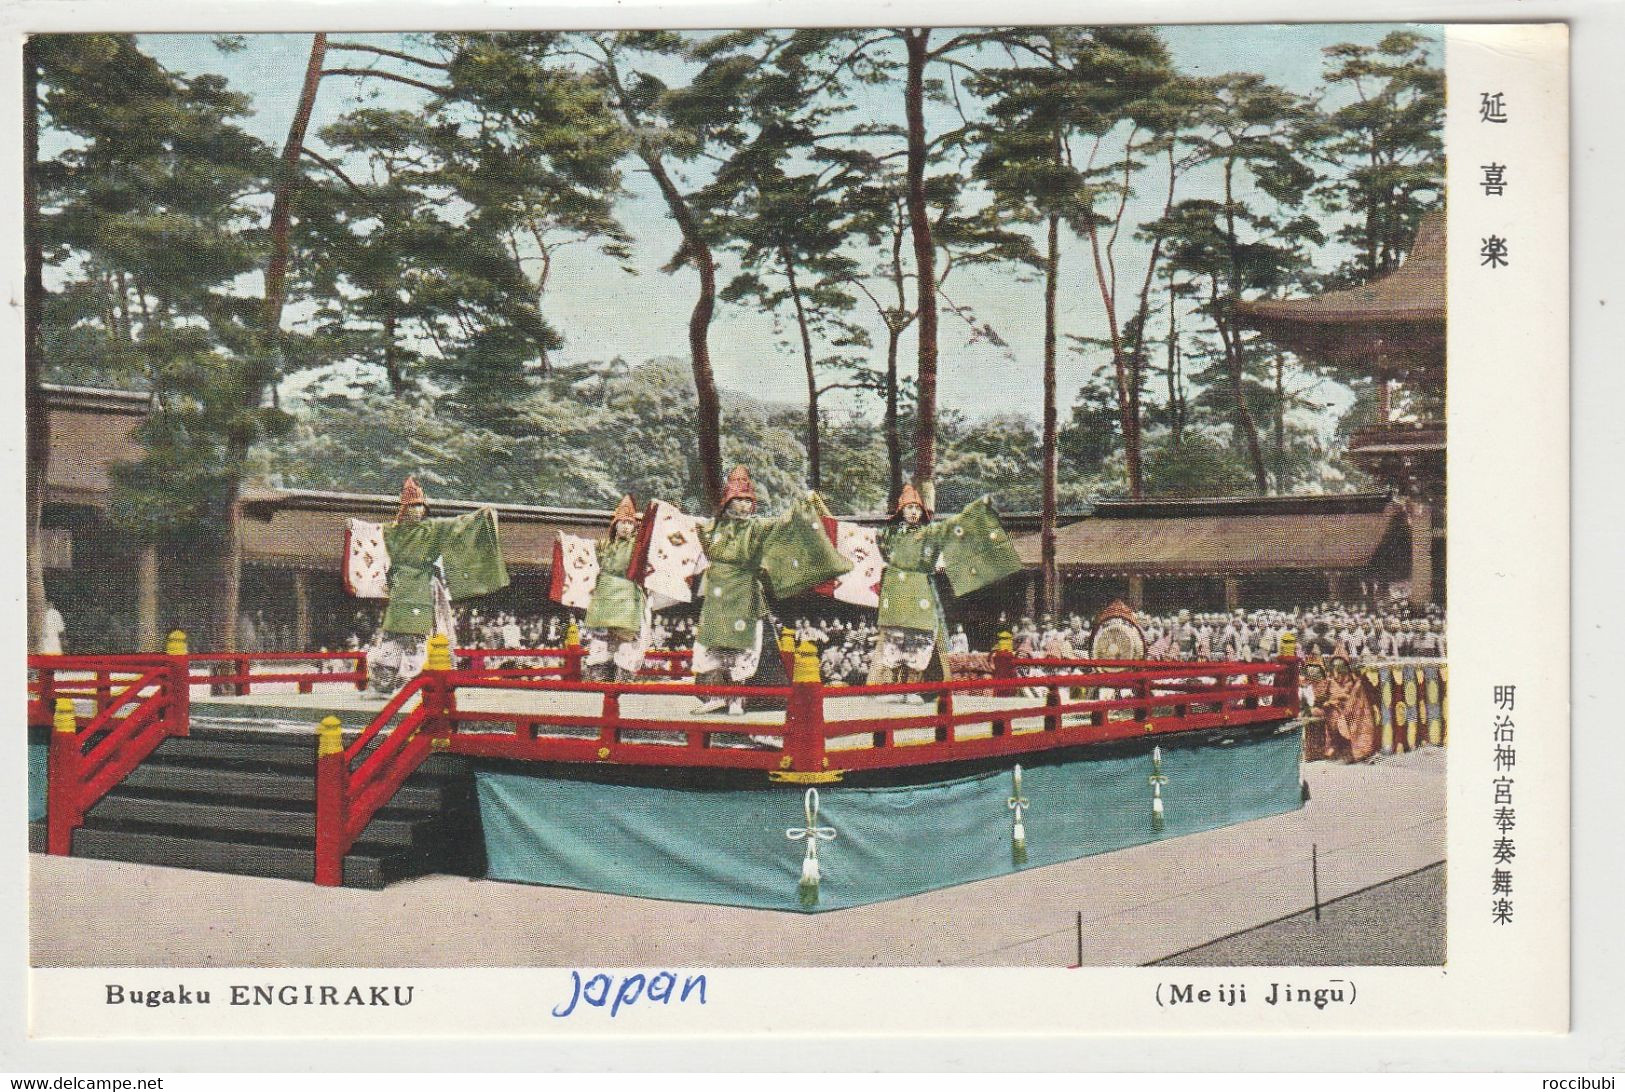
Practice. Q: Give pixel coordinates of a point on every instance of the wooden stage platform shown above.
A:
(296, 713)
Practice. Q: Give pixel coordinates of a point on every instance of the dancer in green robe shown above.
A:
(746, 554)
(971, 549)
(618, 621)
(432, 562)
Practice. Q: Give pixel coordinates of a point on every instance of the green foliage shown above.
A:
(423, 339)
(1388, 141)
(149, 225)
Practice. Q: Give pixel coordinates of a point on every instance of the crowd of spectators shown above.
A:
(1359, 631)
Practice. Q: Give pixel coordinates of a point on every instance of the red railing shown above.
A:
(144, 703)
(84, 678)
(566, 662)
(353, 782)
(1087, 702)
(556, 663)
(236, 673)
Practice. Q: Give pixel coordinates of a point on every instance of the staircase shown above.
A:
(242, 800)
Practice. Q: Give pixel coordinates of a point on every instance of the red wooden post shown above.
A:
(609, 732)
(1004, 662)
(438, 696)
(572, 653)
(1052, 701)
(63, 813)
(945, 708)
(47, 694)
(180, 684)
(104, 690)
(330, 818)
(1286, 680)
(240, 666)
(1004, 667)
(804, 714)
(787, 650)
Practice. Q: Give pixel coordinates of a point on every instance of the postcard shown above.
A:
(558, 531)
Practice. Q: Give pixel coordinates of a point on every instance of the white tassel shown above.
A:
(1157, 780)
(811, 834)
(1018, 804)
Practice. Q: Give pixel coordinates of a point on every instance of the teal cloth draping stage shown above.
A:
(36, 781)
(729, 846)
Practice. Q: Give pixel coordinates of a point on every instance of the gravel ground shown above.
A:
(1395, 924)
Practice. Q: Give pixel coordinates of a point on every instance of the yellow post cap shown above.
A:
(175, 644)
(329, 737)
(572, 635)
(787, 639)
(806, 664)
(1006, 642)
(439, 658)
(65, 719)
(1289, 644)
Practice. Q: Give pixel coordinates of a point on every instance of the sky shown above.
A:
(604, 312)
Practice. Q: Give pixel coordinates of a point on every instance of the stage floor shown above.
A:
(291, 711)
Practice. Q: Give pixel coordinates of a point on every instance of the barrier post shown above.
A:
(572, 653)
(63, 814)
(47, 694)
(1286, 679)
(330, 776)
(787, 650)
(945, 708)
(239, 666)
(1004, 667)
(1004, 661)
(180, 683)
(358, 664)
(804, 714)
(439, 698)
(104, 690)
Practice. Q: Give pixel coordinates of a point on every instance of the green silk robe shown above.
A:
(468, 551)
(972, 549)
(792, 552)
(617, 602)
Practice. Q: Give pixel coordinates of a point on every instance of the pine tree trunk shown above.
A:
(1176, 386)
(392, 366)
(36, 411)
(1232, 338)
(708, 407)
(1244, 416)
(895, 325)
(1047, 570)
(1280, 423)
(814, 480)
(894, 439)
(1127, 420)
(276, 294)
(925, 423)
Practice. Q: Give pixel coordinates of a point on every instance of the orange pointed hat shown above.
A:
(738, 485)
(627, 509)
(908, 496)
(411, 493)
